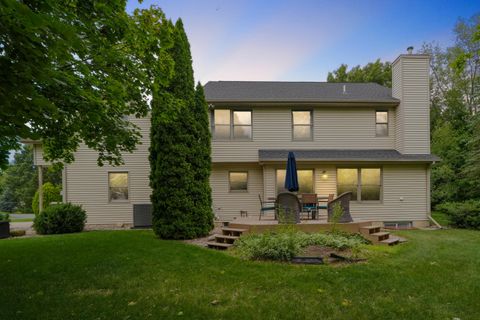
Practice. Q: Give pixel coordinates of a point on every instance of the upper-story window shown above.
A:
(232, 124)
(302, 126)
(381, 123)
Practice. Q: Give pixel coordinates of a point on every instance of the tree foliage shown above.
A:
(51, 193)
(378, 72)
(18, 182)
(72, 70)
(455, 94)
(180, 151)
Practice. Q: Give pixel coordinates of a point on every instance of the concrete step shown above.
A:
(218, 245)
(380, 235)
(233, 231)
(391, 241)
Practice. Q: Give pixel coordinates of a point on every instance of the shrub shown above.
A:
(4, 217)
(60, 218)
(286, 244)
(17, 233)
(462, 214)
(51, 193)
(336, 215)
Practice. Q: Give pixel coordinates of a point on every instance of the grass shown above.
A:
(132, 275)
(21, 220)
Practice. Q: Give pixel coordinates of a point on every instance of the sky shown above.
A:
(303, 40)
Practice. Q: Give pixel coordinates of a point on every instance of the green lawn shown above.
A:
(21, 220)
(132, 275)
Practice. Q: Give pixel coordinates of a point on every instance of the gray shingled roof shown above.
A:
(388, 155)
(271, 91)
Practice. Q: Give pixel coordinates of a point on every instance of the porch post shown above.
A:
(40, 190)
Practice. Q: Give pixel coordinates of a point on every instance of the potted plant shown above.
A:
(4, 225)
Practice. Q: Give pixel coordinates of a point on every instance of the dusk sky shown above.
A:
(303, 40)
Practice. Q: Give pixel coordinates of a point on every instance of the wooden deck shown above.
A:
(252, 224)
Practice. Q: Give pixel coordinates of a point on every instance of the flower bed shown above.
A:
(286, 244)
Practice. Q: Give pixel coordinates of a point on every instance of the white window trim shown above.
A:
(128, 187)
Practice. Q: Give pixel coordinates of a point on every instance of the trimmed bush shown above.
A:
(51, 193)
(462, 214)
(60, 218)
(284, 245)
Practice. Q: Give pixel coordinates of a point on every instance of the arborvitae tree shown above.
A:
(179, 152)
(200, 160)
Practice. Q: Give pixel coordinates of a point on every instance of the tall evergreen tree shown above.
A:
(200, 158)
(180, 152)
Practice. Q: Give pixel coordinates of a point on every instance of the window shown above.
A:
(381, 123)
(347, 180)
(242, 124)
(302, 125)
(221, 124)
(232, 124)
(370, 184)
(364, 183)
(238, 181)
(397, 224)
(305, 181)
(118, 186)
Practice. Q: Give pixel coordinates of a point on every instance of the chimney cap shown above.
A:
(410, 50)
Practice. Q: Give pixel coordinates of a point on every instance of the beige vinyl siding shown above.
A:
(38, 156)
(87, 183)
(227, 204)
(399, 181)
(333, 128)
(409, 182)
(411, 85)
(397, 93)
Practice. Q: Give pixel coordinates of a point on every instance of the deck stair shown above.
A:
(226, 239)
(374, 234)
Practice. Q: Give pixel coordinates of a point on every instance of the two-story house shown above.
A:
(359, 137)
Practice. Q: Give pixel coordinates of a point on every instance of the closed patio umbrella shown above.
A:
(291, 178)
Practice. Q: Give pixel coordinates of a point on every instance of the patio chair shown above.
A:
(309, 204)
(324, 204)
(344, 201)
(288, 207)
(265, 206)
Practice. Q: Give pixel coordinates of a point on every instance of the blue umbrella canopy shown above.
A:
(291, 178)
